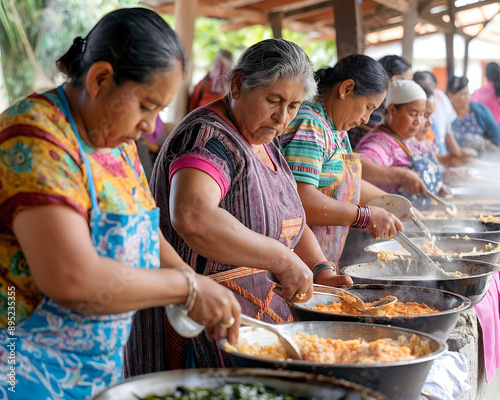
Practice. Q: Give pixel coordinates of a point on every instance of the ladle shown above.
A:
(399, 206)
(449, 207)
(424, 262)
(345, 295)
(291, 348)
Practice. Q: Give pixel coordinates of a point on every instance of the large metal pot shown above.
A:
(438, 324)
(453, 246)
(286, 382)
(472, 228)
(398, 380)
(473, 286)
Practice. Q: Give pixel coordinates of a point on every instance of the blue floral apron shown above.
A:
(63, 354)
(427, 167)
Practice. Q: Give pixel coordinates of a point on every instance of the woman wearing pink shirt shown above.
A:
(489, 94)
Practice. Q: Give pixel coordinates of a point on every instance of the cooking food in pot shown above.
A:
(228, 391)
(391, 310)
(489, 218)
(337, 351)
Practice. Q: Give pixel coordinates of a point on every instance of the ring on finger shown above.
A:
(300, 296)
(227, 324)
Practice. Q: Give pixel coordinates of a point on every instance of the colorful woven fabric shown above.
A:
(312, 147)
(40, 164)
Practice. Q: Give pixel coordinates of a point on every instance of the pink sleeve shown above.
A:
(202, 164)
(373, 149)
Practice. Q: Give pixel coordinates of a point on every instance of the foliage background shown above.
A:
(35, 33)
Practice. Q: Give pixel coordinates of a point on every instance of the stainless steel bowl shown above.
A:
(451, 245)
(438, 324)
(286, 382)
(473, 286)
(398, 380)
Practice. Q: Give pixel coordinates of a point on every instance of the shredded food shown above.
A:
(429, 247)
(489, 218)
(390, 310)
(337, 351)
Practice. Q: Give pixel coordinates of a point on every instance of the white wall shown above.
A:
(430, 51)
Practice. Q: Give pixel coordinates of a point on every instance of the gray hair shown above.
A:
(265, 62)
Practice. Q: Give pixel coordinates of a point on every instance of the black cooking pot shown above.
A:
(473, 286)
(285, 382)
(402, 380)
(438, 324)
(454, 247)
(472, 228)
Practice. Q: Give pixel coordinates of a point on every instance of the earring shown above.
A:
(342, 95)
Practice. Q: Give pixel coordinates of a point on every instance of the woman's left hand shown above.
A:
(383, 224)
(328, 277)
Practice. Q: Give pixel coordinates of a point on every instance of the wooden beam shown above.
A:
(466, 57)
(450, 55)
(399, 5)
(348, 27)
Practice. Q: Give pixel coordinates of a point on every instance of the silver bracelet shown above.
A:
(321, 266)
(193, 287)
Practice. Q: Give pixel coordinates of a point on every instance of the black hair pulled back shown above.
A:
(135, 41)
(368, 75)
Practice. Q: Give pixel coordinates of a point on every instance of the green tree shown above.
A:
(34, 33)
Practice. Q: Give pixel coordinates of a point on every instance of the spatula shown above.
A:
(399, 206)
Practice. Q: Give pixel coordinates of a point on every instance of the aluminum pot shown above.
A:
(438, 324)
(472, 228)
(396, 272)
(452, 245)
(401, 380)
(287, 382)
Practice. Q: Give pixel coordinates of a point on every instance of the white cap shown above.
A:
(403, 92)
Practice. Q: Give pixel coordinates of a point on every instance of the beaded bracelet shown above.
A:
(364, 216)
(193, 287)
(321, 266)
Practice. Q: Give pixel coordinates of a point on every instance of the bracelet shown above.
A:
(364, 216)
(193, 287)
(321, 266)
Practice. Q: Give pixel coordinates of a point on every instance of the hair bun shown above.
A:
(80, 44)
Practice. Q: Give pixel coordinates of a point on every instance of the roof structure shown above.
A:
(382, 20)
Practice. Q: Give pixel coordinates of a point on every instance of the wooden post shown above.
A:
(184, 14)
(466, 56)
(450, 53)
(348, 27)
(409, 22)
(276, 21)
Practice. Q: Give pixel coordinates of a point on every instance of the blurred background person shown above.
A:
(393, 142)
(474, 126)
(489, 94)
(215, 84)
(443, 118)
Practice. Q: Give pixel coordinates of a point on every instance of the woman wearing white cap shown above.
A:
(393, 143)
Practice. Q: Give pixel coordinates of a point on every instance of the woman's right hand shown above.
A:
(214, 305)
(411, 181)
(383, 224)
(295, 278)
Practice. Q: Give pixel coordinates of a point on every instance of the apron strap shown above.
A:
(67, 111)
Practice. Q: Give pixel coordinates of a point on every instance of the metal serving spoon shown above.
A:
(352, 299)
(348, 297)
(399, 206)
(424, 262)
(291, 348)
(449, 207)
